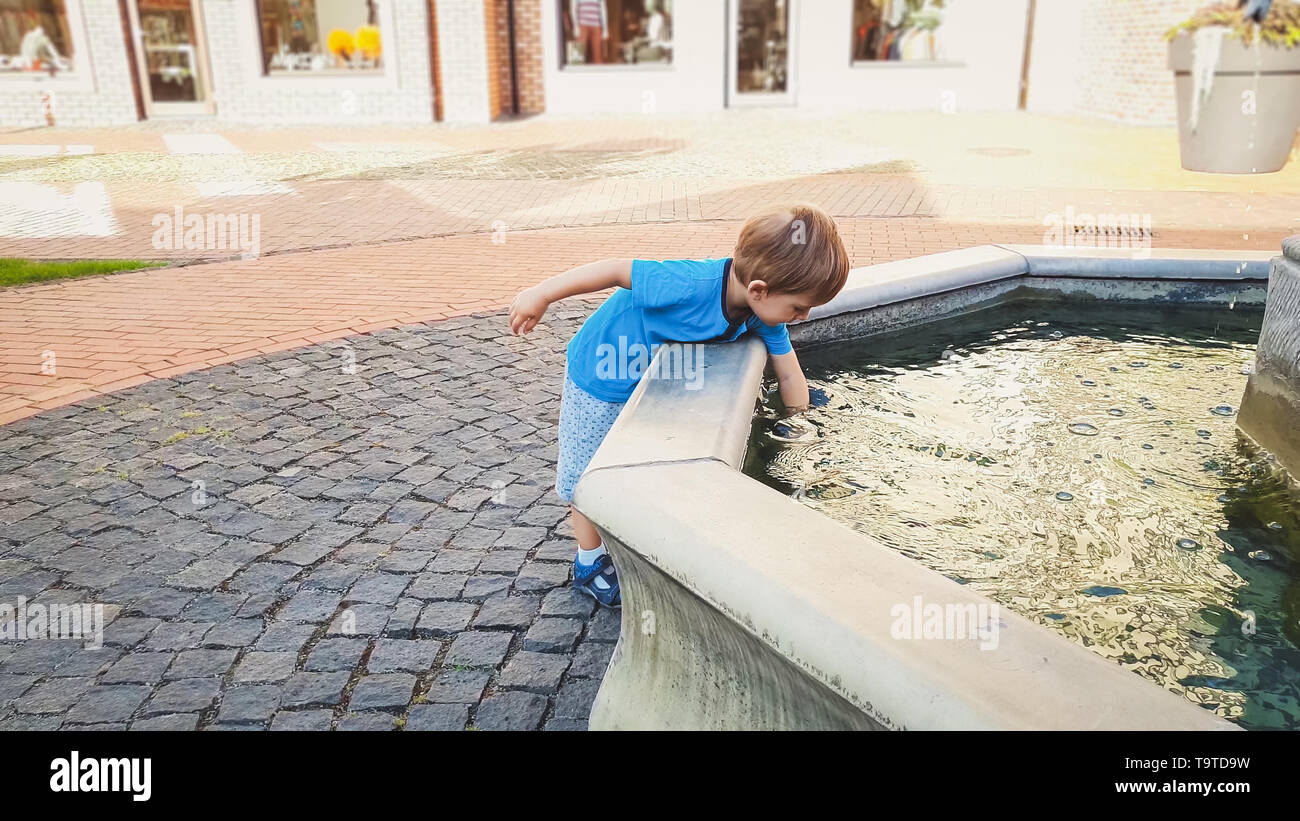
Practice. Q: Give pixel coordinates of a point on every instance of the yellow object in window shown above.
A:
(340, 43)
(368, 41)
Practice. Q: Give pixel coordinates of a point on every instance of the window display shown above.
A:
(34, 37)
(898, 30)
(762, 46)
(320, 36)
(599, 32)
(170, 50)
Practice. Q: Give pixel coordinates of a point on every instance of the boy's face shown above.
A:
(776, 309)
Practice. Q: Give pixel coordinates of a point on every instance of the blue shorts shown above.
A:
(584, 421)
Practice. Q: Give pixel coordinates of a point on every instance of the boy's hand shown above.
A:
(791, 381)
(527, 310)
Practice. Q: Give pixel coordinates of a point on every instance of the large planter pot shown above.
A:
(1230, 137)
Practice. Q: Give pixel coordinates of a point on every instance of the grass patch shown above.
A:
(15, 271)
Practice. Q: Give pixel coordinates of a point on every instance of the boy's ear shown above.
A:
(757, 288)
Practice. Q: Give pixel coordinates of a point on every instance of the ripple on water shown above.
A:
(1171, 504)
(1103, 591)
(793, 431)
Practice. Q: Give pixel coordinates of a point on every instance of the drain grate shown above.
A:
(1107, 230)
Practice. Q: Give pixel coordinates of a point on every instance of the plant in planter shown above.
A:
(1238, 86)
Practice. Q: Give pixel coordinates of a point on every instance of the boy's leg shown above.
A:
(590, 551)
(583, 530)
(584, 421)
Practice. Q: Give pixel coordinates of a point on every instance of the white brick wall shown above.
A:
(463, 52)
(243, 94)
(404, 93)
(1105, 58)
(106, 98)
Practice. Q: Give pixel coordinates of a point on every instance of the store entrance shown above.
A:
(760, 52)
(171, 57)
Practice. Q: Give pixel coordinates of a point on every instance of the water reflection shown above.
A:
(1153, 537)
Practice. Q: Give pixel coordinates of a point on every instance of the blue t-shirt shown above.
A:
(672, 301)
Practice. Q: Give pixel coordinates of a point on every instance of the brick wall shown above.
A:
(1106, 58)
(111, 99)
(1125, 54)
(499, 32)
(496, 41)
(528, 55)
(463, 71)
(247, 96)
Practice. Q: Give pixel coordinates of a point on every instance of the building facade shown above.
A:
(104, 62)
(1105, 58)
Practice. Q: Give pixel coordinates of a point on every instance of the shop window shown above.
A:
(904, 30)
(762, 46)
(603, 32)
(34, 37)
(320, 36)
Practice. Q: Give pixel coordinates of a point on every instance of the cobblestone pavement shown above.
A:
(355, 535)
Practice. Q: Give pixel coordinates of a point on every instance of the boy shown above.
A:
(786, 262)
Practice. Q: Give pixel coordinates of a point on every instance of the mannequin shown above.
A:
(590, 19)
(656, 28)
(35, 44)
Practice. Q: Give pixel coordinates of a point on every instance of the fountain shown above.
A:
(746, 609)
(1271, 406)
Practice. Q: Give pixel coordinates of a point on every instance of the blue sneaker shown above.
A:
(584, 579)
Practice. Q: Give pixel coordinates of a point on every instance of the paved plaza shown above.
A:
(312, 483)
(360, 229)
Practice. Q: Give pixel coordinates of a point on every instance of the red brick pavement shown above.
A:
(111, 332)
(363, 228)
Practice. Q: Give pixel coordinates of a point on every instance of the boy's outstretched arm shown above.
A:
(531, 303)
(790, 378)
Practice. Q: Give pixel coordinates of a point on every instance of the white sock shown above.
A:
(586, 557)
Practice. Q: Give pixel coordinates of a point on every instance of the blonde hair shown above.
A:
(795, 249)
